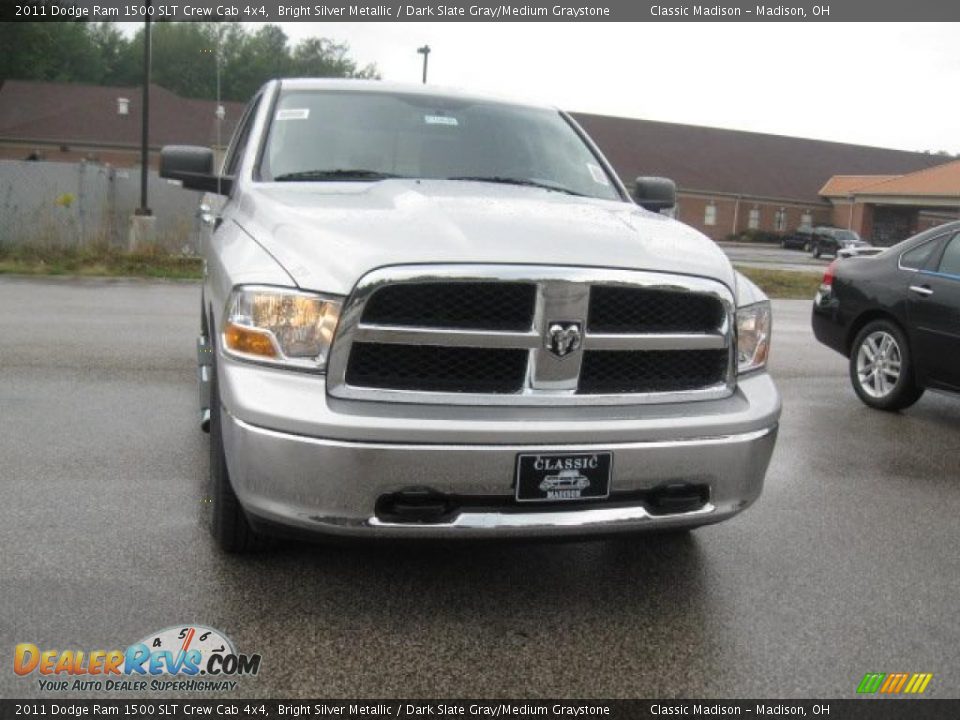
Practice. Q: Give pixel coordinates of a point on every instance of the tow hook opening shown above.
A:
(674, 498)
(415, 505)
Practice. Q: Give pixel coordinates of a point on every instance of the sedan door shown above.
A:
(934, 311)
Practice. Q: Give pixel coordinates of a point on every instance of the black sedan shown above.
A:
(896, 316)
(829, 241)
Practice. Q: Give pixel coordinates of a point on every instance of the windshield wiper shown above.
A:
(504, 180)
(337, 174)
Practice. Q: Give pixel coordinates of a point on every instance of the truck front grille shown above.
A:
(617, 309)
(632, 371)
(436, 369)
(526, 335)
(463, 305)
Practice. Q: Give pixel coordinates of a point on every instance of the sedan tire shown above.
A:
(881, 368)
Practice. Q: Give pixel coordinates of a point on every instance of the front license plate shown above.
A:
(550, 477)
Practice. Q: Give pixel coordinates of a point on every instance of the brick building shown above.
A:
(887, 208)
(729, 181)
(70, 122)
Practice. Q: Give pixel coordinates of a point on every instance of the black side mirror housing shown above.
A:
(655, 193)
(193, 166)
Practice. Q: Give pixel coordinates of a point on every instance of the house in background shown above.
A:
(887, 208)
(729, 181)
(67, 122)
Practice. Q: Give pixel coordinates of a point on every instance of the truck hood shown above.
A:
(328, 235)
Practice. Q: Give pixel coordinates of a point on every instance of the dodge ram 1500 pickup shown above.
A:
(421, 307)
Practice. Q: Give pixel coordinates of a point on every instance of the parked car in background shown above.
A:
(829, 241)
(801, 239)
(896, 316)
(858, 251)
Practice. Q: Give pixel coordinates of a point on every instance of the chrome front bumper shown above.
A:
(301, 460)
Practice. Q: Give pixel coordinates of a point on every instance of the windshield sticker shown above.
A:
(599, 176)
(440, 120)
(293, 114)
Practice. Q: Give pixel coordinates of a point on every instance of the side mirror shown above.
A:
(655, 193)
(193, 166)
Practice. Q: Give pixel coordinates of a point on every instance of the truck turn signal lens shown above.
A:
(249, 340)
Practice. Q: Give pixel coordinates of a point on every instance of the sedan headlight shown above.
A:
(753, 336)
(280, 326)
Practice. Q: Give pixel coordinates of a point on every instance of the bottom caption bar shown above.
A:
(875, 709)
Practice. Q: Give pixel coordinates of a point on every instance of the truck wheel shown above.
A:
(881, 368)
(229, 525)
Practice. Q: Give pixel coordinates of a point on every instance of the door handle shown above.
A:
(923, 290)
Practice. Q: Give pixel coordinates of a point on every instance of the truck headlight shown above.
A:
(280, 326)
(753, 336)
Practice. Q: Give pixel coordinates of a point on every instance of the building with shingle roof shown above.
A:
(70, 122)
(729, 181)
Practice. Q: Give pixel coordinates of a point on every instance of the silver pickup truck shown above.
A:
(419, 305)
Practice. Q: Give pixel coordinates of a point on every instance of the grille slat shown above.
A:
(615, 309)
(455, 305)
(632, 371)
(437, 369)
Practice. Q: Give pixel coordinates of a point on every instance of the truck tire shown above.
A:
(229, 525)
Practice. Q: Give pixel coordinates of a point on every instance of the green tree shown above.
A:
(56, 51)
(248, 64)
(322, 57)
(185, 56)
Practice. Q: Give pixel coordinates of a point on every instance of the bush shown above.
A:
(756, 236)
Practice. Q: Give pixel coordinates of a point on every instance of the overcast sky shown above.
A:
(884, 84)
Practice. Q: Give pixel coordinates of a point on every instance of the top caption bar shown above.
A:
(480, 10)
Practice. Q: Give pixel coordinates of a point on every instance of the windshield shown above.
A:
(847, 235)
(342, 135)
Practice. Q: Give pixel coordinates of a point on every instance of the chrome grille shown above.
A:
(533, 335)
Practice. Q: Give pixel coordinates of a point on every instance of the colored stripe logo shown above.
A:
(895, 683)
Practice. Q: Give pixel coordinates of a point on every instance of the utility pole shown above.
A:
(145, 113)
(425, 51)
(142, 232)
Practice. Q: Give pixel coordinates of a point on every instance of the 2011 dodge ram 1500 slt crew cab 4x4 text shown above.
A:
(421, 308)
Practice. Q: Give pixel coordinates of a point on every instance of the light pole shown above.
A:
(145, 113)
(425, 51)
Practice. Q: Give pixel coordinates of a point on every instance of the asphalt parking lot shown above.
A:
(849, 562)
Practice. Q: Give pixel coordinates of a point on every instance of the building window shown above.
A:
(754, 221)
(710, 215)
(806, 219)
(780, 220)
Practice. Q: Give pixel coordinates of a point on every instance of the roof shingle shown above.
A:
(70, 113)
(737, 162)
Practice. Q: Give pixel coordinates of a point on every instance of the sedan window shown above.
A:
(917, 258)
(950, 262)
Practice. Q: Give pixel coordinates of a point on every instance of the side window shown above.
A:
(950, 261)
(240, 137)
(917, 258)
